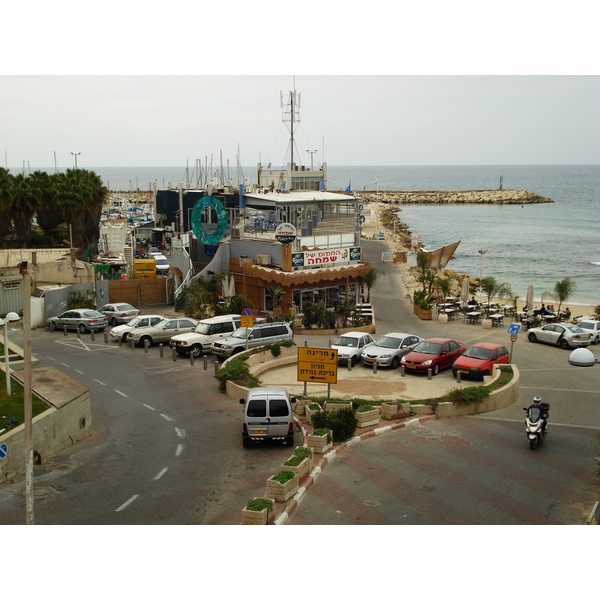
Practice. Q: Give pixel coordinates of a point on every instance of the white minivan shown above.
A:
(268, 415)
(199, 341)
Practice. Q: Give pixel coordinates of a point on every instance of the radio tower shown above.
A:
(290, 105)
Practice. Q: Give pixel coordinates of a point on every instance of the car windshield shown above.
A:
(202, 328)
(134, 322)
(349, 342)
(388, 342)
(240, 332)
(428, 348)
(478, 353)
(125, 307)
(92, 314)
(574, 329)
(162, 261)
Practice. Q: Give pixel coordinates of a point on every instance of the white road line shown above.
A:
(180, 432)
(167, 417)
(126, 504)
(80, 372)
(98, 381)
(148, 406)
(159, 475)
(179, 449)
(63, 364)
(122, 394)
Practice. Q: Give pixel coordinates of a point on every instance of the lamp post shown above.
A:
(11, 317)
(481, 253)
(75, 154)
(311, 152)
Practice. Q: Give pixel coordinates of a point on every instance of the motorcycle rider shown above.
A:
(544, 410)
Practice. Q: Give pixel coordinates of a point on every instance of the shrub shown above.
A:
(303, 452)
(236, 370)
(342, 422)
(82, 299)
(259, 504)
(283, 476)
(468, 395)
(294, 461)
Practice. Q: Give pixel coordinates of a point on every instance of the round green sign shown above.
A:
(219, 232)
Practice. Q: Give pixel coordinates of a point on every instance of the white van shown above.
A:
(268, 415)
(199, 341)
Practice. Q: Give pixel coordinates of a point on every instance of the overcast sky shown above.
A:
(538, 102)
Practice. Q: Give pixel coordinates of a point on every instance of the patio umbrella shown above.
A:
(231, 287)
(225, 288)
(464, 294)
(529, 299)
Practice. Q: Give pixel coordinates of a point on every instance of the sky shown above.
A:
(424, 88)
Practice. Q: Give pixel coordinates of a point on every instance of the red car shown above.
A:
(479, 360)
(434, 354)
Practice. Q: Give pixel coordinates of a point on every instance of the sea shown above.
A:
(536, 244)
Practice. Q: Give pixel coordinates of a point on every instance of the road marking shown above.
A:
(167, 417)
(159, 475)
(80, 345)
(179, 449)
(126, 504)
(80, 372)
(550, 423)
(63, 364)
(148, 406)
(122, 394)
(180, 432)
(98, 381)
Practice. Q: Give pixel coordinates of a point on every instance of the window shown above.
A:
(278, 408)
(257, 408)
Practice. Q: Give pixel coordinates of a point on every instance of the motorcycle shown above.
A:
(536, 426)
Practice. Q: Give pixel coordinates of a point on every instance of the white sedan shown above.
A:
(564, 335)
(121, 331)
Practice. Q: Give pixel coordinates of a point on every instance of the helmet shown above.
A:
(537, 400)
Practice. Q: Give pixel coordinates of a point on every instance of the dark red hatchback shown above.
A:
(434, 354)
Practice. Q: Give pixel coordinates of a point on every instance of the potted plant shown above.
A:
(282, 486)
(299, 462)
(320, 440)
(310, 410)
(300, 405)
(367, 415)
(258, 511)
(332, 405)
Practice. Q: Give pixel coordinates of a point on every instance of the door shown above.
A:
(279, 417)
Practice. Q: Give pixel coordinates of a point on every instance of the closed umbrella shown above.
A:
(529, 299)
(231, 287)
(464, 294)
(225, 288)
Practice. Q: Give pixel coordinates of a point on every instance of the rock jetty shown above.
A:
(455, 197)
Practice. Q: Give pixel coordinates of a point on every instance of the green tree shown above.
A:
(493, 289)
(49, 215)
(425, 274)
(563, 290)
(25, 201)
(5, 202)
(444, 284)
(369, 279)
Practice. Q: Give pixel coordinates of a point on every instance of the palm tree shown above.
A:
(49, 215)
(425, 274)
(5, 201)
(26, 200)
(369, 280)
(492, 289)
(444, 284)
(563, 290)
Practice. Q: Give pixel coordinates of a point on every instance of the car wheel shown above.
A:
(564, 344)
(436, 368)
(353, 360)
(237, 351)
(290, 440)
(145, 340)
(124, 337)
(53, 326)
(114, 321)
(395, 362)
(596, 340)
(531, 337)
(82, 328)
(196, 350)
(245, 442)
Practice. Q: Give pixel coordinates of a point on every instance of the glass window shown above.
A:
(278, 408)
(257, 408)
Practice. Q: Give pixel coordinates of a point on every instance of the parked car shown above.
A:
(84, 319)
(206, 332)
(389, 349)
(162, 264)
(351, 345)
(163, 331)
(593, 327)
(268, 415)
(564, 335)
(434, 353)
(479, 360)
(252, 337)
(121, 331)
(118, 313)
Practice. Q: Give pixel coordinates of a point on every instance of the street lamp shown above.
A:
(11, 317)
(481, 253)
(311, 152)
(75, 154)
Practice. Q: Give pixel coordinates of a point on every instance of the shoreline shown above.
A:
(385, 222)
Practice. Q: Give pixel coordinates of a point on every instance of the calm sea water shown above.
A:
(536, 244)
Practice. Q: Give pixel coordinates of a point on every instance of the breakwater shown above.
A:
(455, 197)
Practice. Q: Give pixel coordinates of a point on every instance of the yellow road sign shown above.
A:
(317, 365)
(247, 321)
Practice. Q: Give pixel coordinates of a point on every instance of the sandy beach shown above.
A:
(397, 237)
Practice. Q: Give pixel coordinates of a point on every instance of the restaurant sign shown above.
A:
(285, 233)
(326, 258)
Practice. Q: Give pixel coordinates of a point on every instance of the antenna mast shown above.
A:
(291, 113)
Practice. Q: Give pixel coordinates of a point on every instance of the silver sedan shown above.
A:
(564, 335)
(162, 331)
(389, 349)
(120, 312)
(84, 319)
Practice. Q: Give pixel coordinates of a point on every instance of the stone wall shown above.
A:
(457, 197)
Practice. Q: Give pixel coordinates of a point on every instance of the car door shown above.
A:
(449, 354)
(279, 417)
(164, 334)
(548, 334)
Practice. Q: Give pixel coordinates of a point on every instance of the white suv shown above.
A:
(245, 338)
(207, 331)
(593, 327)
(351, 345)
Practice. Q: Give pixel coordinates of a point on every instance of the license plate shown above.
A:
(463, 371)
(410, 367)
(369, 360)
(258, 432)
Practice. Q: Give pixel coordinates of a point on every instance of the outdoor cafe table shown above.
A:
(497, 319)
(508, 309)
(473, 317)
(451, 312)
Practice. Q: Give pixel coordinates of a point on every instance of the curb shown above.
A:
(292, 505)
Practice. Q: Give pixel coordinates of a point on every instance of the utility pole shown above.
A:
(75, 154)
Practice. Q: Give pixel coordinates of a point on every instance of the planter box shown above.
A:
(368, 418)
(389, 409)
(331, 406)
(301, 470)
(300, 406)
(282, 492)
(423, 313)
(319, 443)
(258, 517)
(309, 413)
